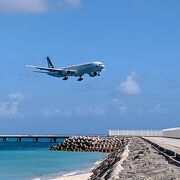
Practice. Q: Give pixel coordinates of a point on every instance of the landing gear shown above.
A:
(99, 74)
(65, 78)
(80, 78)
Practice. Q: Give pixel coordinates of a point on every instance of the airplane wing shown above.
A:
(45, 68)
(62, 71)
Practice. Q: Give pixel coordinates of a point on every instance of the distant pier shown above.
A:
(33, 138)
(41, 138)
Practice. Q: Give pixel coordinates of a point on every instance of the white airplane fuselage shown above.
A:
(80, 70)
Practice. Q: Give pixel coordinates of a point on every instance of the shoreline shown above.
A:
(73, 175)
(70, 175)
(81, 176)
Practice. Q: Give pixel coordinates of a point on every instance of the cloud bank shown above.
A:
(37, 6)
(130, 86)
(97, 110)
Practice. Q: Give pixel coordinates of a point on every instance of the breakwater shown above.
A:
(91, 144)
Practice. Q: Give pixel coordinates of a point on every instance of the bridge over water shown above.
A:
(34, 138)
(38, 138)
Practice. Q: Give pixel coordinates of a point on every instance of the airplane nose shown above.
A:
(103, 66)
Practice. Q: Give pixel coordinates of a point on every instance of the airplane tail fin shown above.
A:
(50, 65)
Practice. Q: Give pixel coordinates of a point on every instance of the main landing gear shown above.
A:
(80, 78)
(65, 78)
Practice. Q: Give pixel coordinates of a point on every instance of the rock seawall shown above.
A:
(143, 162)
(110, 166)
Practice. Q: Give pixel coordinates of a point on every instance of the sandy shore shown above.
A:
(84, 176)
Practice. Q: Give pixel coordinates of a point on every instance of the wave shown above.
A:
(90, 167)
(61, 174)
(98, 162)
(72, 173)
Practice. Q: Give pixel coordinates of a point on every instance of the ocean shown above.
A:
(30, 161)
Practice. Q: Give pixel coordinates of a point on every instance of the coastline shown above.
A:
(128, 158)
(78, 175)
(83, 176)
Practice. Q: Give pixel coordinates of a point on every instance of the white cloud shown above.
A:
(37, 6)
(130, 86)
(95, 110)
(91, 110)
(123, 108)
(73, 3)
(158, 108)
(115, 100)
(11, 107)
(16, 96)
(28, 6)
(55, 112)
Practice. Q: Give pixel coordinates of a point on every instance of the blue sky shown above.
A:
(138, 41)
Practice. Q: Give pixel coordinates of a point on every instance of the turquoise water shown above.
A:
(27, 160)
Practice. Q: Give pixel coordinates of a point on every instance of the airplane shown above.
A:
(92, 69)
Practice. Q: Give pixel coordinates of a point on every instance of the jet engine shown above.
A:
(93, 74)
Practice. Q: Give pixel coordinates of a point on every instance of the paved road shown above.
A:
(167, 143)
